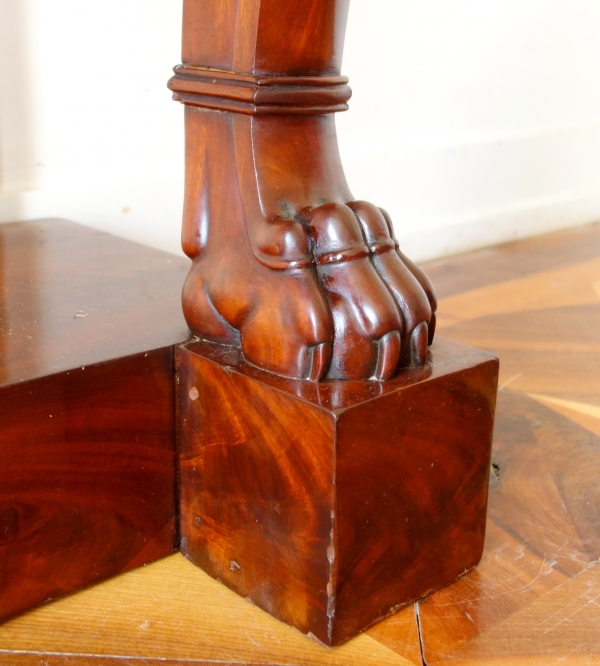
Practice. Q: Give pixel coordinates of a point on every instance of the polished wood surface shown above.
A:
(87, 477)
(265, 38)
(533, 599)
(330, 505)
(71, 296)
(87, 437)
(287, 265)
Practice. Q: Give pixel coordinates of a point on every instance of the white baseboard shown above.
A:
(463, 233)
(150, 214)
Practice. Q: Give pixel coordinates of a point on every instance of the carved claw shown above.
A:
(431, 328)
(317, 361)
(413, 301)
(308, 292)
(363, 310)
(418, 345)
(421, 277)
(388, 355)
(335, 301)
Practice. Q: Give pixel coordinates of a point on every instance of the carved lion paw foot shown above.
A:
(326, 294)
(382, 304)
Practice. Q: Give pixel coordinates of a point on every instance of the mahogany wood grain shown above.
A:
(87, 436)
(71, 296)
(331, 505)
(87, 477)
(267, 38)
(308, 282)
(513, 608)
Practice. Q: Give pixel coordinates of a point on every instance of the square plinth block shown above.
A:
(88, 326)
(330, 505)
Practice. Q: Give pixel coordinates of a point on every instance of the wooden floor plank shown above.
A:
(554, 288)
(472, 270)
(568, 408)
(171, 609)
(400, 633)
(562, 627)
(537, 452)
(569, 329)
(509, 577)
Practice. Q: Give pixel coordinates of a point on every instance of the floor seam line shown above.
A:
(420, 633)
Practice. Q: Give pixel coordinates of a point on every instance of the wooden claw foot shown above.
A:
(285, 261)
(276, 271)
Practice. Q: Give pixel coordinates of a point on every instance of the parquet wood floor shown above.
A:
(534, 599)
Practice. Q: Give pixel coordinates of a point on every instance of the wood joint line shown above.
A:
(243, 93)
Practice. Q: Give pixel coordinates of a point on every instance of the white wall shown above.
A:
(472, 122)
(88, 130)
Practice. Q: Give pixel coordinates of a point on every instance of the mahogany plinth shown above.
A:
(332, 504)
(88, 324)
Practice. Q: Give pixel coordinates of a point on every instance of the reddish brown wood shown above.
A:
(266, 37)
(331, 505)
(71, 296)
(86, 477)
(287, 265)
(87, 454)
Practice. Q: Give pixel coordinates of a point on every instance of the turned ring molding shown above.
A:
(244, 93)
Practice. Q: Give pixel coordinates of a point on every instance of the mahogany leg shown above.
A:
(327, 504)
(286, 264)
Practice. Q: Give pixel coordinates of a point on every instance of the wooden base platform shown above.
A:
(88, 323)
(332, 504)
(533, 599)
